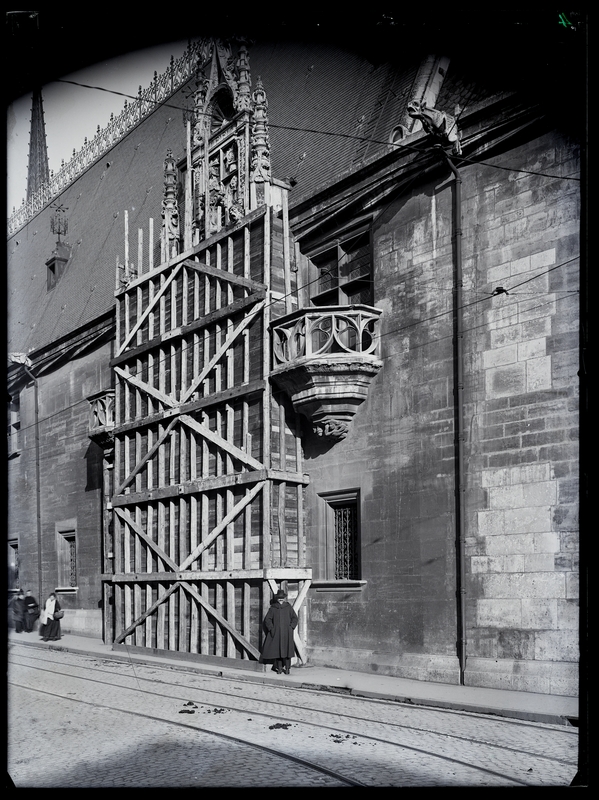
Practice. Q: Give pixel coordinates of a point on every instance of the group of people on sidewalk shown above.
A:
(279, 624)
(25, 611)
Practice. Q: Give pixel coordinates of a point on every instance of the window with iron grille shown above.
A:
(342, 272)
(342, 534)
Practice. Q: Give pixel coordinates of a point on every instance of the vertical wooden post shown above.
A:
(286, 256)
(151, 245)
(126, 276)
(140, 257)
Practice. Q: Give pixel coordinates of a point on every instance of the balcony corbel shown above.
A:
(325, 359)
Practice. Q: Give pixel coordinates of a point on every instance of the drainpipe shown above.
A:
(459, 420)
(37, 482)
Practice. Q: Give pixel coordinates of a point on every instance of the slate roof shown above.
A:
(334, 106)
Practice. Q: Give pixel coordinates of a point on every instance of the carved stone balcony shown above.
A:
(325, 359)
(101, 418)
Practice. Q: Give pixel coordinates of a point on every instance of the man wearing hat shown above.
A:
(279, 624)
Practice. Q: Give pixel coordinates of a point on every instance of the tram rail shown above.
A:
(224, 699)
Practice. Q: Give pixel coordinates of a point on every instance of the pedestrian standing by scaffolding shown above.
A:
(32, 611)
(18, 612)
(279, 624)
(49, 623)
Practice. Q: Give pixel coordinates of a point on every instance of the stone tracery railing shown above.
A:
(134, 111)
(326, 330)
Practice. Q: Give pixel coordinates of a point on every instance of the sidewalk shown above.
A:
(544, 708)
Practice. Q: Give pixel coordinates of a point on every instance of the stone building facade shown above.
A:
(435, 418)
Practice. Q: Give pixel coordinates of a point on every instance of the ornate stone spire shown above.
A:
(170, 211)
(38, 171)
(260, 139)
(243, 100)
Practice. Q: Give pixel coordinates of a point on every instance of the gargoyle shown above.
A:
(438, 123)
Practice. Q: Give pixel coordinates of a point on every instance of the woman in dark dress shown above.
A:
(279, 624)
(50, 627)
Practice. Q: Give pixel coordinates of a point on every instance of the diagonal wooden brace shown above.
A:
(150, 308)
(221, 620)
(235, 511)
(122, 636)
(143, 535)
(223, 349)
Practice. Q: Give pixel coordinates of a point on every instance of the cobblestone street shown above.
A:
(127, 725)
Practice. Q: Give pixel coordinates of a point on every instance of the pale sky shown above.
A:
(72, 112)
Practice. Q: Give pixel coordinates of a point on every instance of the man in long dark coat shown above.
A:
(279, 624)
(32, 611)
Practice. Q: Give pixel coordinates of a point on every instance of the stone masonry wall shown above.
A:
(71, 484)
(522, 234)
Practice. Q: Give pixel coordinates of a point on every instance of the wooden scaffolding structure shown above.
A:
(206, 508)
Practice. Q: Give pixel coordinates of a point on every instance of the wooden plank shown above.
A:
(222, 349)
(122, 636)
(141, 462)
(135, 381)
(204, 630)
(210, 436)
(267, 398)
(160, 551)
(237, 508)
(205, 402)
(137, 607)
(231, 277)
(246, 609)
(281, 524)
(219, 634)
(257, 574)
(151, 306)
(222, 621)
(208, 484)
(149, 560)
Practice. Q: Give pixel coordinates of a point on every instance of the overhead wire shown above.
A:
(380, 336)
(280, 392)
(336, 134)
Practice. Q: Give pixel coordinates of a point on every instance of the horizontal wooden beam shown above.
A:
(244, 390)
(247, 221)
(207, 576)
(219, 314)
(203, 485)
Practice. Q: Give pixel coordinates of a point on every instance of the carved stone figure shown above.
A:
(331, 429)
(441, 125)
